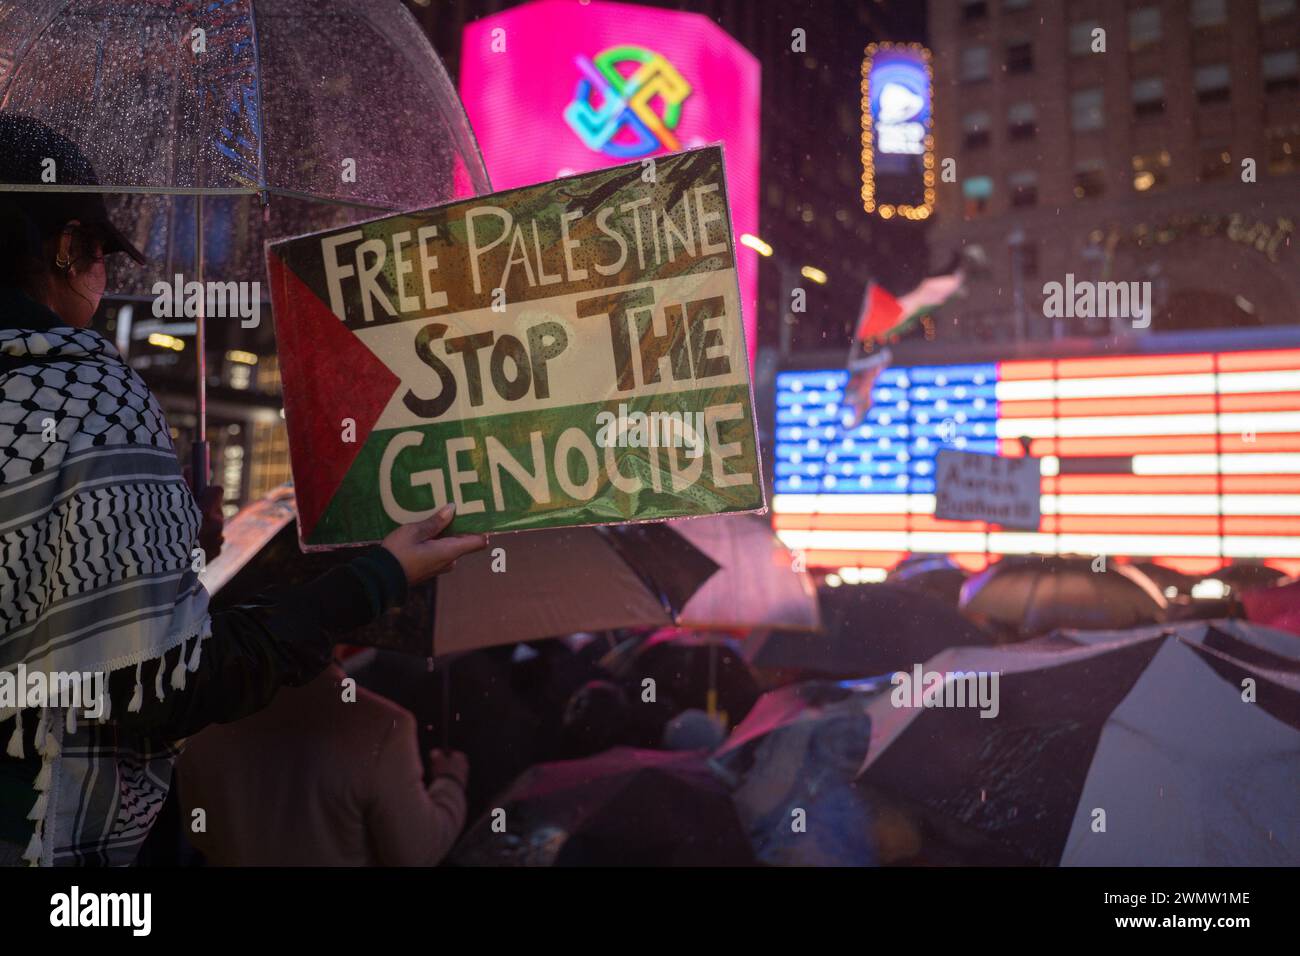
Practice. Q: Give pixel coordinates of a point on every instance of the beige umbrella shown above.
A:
(761, 583)
(525, 586)
(566, 580)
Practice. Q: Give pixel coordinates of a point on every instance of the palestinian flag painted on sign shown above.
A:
(563, 354)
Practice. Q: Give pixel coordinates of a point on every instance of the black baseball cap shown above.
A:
(26, 146)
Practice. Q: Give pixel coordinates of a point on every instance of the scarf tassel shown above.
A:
(137, 696)
(52, 748)
(178, 672)
(198, 646)
(37, 811)
(33, 853)
(158, 680)
(15, 748)
(70, 725)
(42, 778)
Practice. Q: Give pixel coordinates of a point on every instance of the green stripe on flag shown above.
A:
(502, 488)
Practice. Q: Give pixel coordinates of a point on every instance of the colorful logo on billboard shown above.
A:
(613, 110)
(648, 81)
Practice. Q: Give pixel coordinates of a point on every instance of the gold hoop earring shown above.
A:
(62, 263)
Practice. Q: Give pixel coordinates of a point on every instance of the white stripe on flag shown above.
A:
(1125, 386)
(1133, 504)
(1234, 464)
(1139, 504)
(1027, 542)
(1139, 425)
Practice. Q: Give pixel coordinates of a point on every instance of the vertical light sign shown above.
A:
(558, 87)
(897, 131)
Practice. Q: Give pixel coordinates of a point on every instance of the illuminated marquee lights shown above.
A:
(897, 69)
(1191, 458)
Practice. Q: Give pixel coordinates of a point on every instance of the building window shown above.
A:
(1276, 9)
(1281, 70)
(1149, 97)
(1020, 57)
(1213, 83)
(1014, 4)
(1283, 150)
(1150, 170)
(974, 64)
(1089, 179)
(1022, 121)
(1024, 188)
(976, 192)
(1086, 111)
(1209, 13)
(1081, 36)
(1143, 28)
(1216, 162)
(975, 129)
(972, 10)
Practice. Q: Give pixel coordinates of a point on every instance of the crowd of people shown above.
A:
(281, 757)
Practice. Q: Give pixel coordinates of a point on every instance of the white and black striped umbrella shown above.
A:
(1159, 746)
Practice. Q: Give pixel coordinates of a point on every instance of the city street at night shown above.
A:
(764, 435)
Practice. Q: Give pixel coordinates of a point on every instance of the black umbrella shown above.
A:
(691, 670)
(1021, 597)
(1247, 576)
(1119, 748)
(1165, 578)
(867, 629)
(934, 574)
(623, 807)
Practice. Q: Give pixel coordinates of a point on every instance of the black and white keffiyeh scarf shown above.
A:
(97, 534)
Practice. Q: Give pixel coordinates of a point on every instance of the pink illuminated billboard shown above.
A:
(559, 87)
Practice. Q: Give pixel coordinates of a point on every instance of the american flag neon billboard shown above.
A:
(1191, 458)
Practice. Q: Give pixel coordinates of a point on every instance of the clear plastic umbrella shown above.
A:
(214, 126)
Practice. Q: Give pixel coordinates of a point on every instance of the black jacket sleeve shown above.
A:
(255, 648)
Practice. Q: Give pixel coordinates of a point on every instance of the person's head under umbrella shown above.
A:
(53, 243)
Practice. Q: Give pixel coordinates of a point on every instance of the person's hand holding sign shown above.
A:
(420, 551)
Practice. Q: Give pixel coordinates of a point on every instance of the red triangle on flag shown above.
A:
(881, 313)
(328, 375)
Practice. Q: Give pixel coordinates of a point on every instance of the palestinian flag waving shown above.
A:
(884, 318)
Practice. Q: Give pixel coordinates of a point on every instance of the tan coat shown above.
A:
(313, 780)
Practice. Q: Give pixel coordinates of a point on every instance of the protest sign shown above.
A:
(973, 487)
(562, 354)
